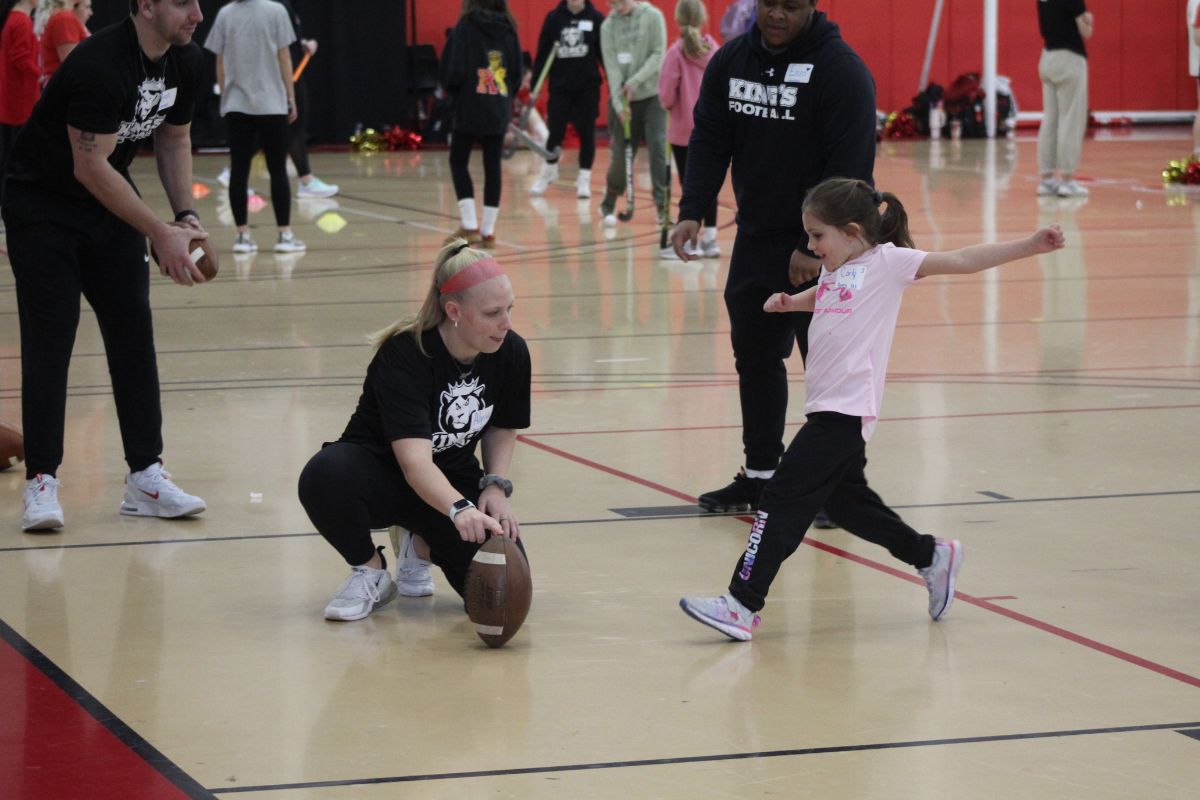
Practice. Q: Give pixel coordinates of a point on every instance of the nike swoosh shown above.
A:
(152, 496)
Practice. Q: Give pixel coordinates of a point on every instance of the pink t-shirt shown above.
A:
(851, 333)
(679, 89)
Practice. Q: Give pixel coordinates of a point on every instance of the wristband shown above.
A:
(495, 480)
(187, 212)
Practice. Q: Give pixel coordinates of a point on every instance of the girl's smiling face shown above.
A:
(834, 246)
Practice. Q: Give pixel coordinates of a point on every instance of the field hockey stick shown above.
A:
(300, 67)
(666, 211)
(533, 144)
(627, 214)
(510, 146)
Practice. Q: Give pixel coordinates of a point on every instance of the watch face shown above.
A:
(463, 505)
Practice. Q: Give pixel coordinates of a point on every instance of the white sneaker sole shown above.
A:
(150, 510)
(47, 522)
(732, 631)
(415, 589)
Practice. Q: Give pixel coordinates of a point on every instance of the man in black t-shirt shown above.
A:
(77, 227)
(1063, 69)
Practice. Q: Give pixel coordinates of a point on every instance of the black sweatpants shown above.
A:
(679, 154)
(247, 132)
(298, 131)
(347, 490)
(822, 468)
(54, 264)
(579, 109)
(461, 144)
(757, 269)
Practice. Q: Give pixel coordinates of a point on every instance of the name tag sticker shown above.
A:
(798, 73)
(624, 58)
(585, 25)
(851, 277)
(168, 99)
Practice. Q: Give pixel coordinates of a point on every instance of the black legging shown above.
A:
(246, 133)
(53, 265)
(298, 132)
(579, 109)
(680, 154)
(461, 144)
(348, 490)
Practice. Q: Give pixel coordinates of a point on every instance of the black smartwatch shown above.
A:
(459, 507)
(495, 480)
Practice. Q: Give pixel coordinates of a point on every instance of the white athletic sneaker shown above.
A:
(223, 178)
(547, 176)
(708, 244)
(668, 254)
(244, 244)
(364, 591)
(610, 218)
(1048, 187)
(724, 613)
(316, 188)
(1071, 189)
(288, 243)
(413, 578)
(42, 511)
(941, 575)
(583, 184)
(152, 493)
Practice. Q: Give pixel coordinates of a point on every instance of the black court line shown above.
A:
(995, 495)
(659, 762)
(627, 515)
(98, 711)
(1193, 733)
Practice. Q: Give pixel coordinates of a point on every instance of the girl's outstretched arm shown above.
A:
(784, 302)
(984, 256)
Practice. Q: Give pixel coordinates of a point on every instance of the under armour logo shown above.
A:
(770, 72)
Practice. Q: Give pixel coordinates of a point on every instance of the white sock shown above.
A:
(708, 237)
(466, 212)
(488, 227)
(760, 473)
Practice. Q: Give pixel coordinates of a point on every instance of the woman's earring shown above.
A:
(456, 323)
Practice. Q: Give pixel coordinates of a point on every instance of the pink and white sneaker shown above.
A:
(724, 613)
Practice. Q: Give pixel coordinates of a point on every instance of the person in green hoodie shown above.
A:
(633, 40)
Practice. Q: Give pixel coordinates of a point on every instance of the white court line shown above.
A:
(618, 360)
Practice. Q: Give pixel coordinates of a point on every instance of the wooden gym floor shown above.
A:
(1046, 413)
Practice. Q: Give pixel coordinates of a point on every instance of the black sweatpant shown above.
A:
(679, 153)
(247, 132)
(822, 468)
(347, 490)
(579, 109)
(54, 264)
(761, 341)
(298, 131)
(461, 144)
(8, 137)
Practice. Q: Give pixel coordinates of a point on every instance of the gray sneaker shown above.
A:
(288, 243)
(413, 578)
(364, 591)
(941, 575)
(1047, 188)
(1071, 189)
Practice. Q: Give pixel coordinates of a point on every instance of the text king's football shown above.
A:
(204, 255)
(499, 590)
(12, 446)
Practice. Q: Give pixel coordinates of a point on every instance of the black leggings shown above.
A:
(348, 490)
(246, 133)
(461, 144)
(822, 468)
(298, 132)
(680, 154)
(580, 109)
(53, 265)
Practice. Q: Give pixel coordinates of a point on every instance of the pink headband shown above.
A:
(482, 270)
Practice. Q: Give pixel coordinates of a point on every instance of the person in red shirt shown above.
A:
(19, 73)
(64, 29)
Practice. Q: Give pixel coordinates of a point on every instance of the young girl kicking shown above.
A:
(867, 261)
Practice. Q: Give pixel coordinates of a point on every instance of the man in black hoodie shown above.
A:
(572, 31)
(784, 106)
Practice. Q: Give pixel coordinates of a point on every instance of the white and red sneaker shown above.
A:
(941, 575)
(42, 511)
(724, 613)
(152, 493)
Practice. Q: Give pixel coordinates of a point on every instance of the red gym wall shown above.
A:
(1137, 57)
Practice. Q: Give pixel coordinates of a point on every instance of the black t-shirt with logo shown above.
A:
(410, 395)
(106, 86)
(1056, 20)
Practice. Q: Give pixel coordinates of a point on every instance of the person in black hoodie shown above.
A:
(481, 69)
(572, 30)
(784, 106)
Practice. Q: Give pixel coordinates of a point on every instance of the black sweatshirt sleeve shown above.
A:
(546, 41)
(710, 147)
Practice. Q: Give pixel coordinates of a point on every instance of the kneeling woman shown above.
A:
(453, 375)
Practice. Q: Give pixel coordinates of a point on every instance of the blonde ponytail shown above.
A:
(691, 15)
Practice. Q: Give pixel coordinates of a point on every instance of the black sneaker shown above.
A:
(741, 495)
(822, 521)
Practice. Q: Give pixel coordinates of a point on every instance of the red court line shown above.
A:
(51, 748)
(986, 605)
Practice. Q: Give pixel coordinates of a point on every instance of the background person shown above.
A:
(61, 26)
(1064, 25)
(20, 77)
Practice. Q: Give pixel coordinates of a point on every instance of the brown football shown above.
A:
(499, 590)
(12, 446)
(204, 255)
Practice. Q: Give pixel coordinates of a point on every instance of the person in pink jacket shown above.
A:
(678, 88)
